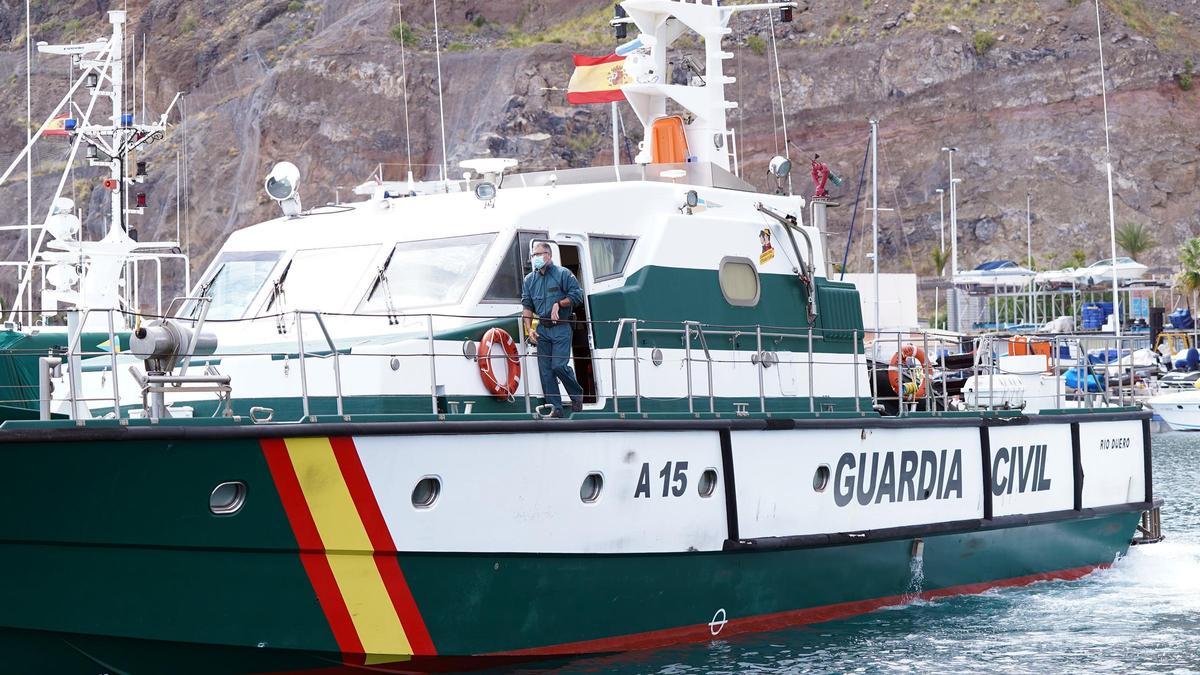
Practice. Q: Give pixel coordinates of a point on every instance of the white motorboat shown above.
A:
(1064, 276)
(1180, 409)
(1101, 271)
(996, 273)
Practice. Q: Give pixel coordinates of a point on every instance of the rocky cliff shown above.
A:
(1015, 84)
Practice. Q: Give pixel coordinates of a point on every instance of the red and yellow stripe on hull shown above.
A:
(346, 548)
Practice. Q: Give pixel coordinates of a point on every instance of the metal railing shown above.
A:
(895, 383)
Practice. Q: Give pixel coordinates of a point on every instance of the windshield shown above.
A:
(427, 273)
(323, 279)
(236, 280)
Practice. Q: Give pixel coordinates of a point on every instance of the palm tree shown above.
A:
(1188, 279)
(1135, 239)
(1078, 258)
(940, 258)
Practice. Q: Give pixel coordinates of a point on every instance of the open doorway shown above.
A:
(581, 337)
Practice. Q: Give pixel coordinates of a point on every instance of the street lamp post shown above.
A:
(950, 150)
(952, 322)
(941, 218)
(1029, 252)
(954, 182)
(942, 247)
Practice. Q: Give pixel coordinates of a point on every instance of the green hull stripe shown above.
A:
(119, 540)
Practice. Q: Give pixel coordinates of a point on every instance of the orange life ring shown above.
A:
(907, 352)
(508, 390)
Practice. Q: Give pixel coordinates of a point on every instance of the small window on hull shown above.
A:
(589, 491)
(227, 498)
(739, 282)
(426, 492)
(708, 483)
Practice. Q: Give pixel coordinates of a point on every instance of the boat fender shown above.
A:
(916, 388)
(507, 390)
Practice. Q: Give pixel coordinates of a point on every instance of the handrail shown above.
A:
(337, 367)
(806, 269)
(432, 368)
(1118, 371)
(303, 371)
(712, 408)
(206, 304)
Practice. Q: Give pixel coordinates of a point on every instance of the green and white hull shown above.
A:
(305, 467)
(699, 530)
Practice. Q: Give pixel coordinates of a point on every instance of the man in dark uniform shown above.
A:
(550, 292)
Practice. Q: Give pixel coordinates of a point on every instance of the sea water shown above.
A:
(1141, 615)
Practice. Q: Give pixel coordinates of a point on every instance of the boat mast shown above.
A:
(661, 22)
(100, 65)
(117, 77)
(875, 213)
(1112, 217)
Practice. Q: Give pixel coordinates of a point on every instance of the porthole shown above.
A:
(589, 490)
(738, 278)
(227, 498)
(821, 478)
(426, 492)
(708, 483)
(656, 356)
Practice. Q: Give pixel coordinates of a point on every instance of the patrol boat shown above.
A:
(330, 453)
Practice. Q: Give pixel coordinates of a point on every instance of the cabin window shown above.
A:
(609, 255)
(506, 286)
(426, 273)
(322, 279)
(236, 279)
(739, 282)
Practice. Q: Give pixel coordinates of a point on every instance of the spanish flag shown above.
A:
(597, 79)
(58, 127)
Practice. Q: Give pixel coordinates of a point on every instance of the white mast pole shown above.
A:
(941, 219)
(143, 96)
(117, 76)
(404, 93)
(615, 136)
(952, 294)
(29, 155)
(1112, 216)
(787, 153)
(953, 213)
(1029, 245)
(1029, 227)
(875, 213)
(942, 247)
(437, 44)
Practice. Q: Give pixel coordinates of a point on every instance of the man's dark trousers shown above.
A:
(554, 363)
